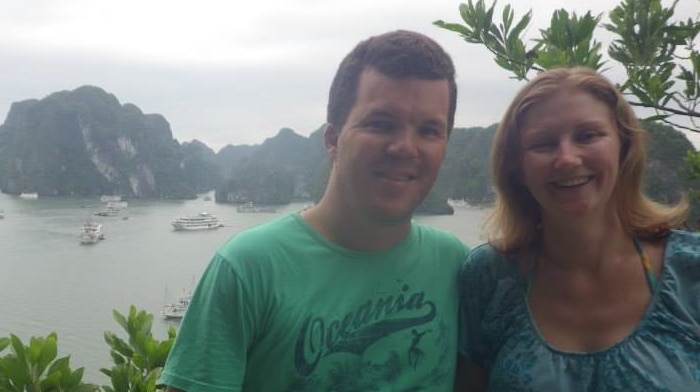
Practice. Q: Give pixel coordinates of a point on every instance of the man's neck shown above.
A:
(354, 231)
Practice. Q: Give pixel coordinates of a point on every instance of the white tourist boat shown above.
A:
(201, 221)
(177, 309)
(92, 233)
(29, 195)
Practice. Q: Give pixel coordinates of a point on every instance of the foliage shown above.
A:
(34, 368)
(658, 54)
(138, 362)
(465, 172)
(199, 166)
(285, 167)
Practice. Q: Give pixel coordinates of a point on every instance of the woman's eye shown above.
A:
(588, 136)
(540, 146)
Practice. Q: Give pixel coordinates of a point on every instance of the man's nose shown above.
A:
(403, 143)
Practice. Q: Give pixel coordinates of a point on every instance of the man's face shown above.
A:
(388, 154)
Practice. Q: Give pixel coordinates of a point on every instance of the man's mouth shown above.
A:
(396, 177)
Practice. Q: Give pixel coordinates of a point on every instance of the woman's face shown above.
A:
(570, 151)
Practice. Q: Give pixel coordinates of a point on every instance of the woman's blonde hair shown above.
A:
(513, 222)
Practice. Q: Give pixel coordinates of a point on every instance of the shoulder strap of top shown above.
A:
(651, 278)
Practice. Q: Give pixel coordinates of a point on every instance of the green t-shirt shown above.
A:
(281, 309)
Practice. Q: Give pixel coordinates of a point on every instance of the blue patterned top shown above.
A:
(662, 354)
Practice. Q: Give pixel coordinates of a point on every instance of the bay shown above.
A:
(49, 282)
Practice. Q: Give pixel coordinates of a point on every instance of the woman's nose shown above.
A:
(567, 155)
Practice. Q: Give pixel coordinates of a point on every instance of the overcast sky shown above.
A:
(232, 71)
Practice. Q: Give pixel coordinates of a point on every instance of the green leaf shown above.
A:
(4, 342)
(47, 353)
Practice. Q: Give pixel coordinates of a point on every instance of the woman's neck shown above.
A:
(584, 244)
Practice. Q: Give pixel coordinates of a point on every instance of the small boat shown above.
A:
(108, 210)
(108, 198)
(250, 207)
(117, 204)
(92, 233)
(29, 195)
(457, 202)
(201, 221)
(177, 309)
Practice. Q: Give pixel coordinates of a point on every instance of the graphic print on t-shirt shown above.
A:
(402, 326)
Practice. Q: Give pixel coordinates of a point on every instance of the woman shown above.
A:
(585, 284)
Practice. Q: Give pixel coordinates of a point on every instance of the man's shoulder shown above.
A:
(262, 236)
(430, 233)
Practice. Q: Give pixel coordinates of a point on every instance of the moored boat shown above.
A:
(108, 198)
(177, 309)
(457, 202)
(201, 221)
(250, 207)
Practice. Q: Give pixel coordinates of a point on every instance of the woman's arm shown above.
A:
(470, 377)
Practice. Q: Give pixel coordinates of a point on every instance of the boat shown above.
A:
(2, 214)
(92, 233)
(29, 195)
(250, 207)
(117, 204)
(457, 202)
(177, 309)
(108, 198)
(108, 210)
(201, 221)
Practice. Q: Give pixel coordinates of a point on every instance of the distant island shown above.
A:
(84, 142)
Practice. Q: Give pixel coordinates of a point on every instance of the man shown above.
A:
(351, 294)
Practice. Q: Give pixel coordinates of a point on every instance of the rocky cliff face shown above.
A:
(84, 142)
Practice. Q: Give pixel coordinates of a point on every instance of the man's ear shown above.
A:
(330, 137)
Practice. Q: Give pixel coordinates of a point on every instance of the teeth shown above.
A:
(572, 182)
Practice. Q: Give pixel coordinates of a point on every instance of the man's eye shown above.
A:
(380, 125)
(430, 131)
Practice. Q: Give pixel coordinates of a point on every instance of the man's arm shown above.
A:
(209, 351)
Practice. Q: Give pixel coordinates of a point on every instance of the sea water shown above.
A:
(49, 282)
